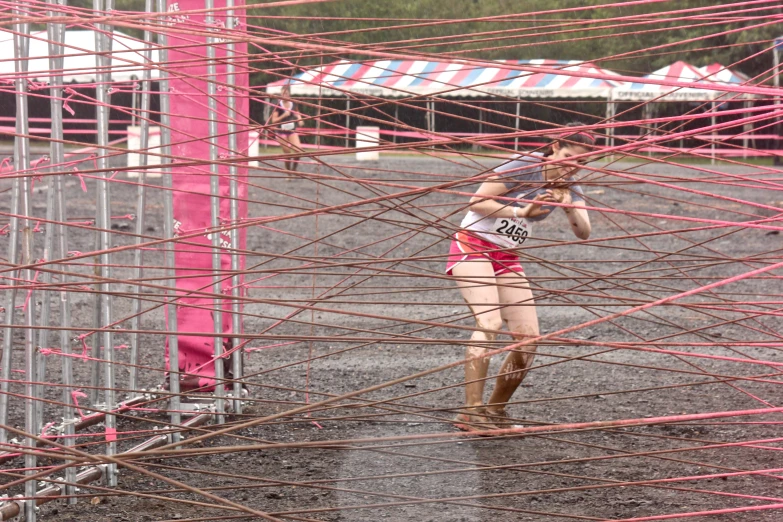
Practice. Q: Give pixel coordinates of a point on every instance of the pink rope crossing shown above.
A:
(653, 394)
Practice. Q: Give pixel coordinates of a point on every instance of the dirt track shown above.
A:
(394, 276)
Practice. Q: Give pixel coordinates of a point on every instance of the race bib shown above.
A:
(510, 232)
(289, 126)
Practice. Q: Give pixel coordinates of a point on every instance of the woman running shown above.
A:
(285, 120)
(485, 264)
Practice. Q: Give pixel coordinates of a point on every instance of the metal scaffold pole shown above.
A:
(103, 48)
(141, 198)
(168, 231)
(214, 184)
(25, 236)
(56, 35)
(236, 318)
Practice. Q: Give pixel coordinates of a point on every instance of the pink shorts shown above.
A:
(467, 247)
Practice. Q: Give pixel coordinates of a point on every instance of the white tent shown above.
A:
(679, 72)
(510, 78)
(701, 91)
(514, 79)
(127, 57)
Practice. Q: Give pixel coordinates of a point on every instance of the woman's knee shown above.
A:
(489, 321)
(523, 332)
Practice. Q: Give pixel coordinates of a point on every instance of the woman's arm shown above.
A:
(484, 202)
(578, 218)
(278, 115)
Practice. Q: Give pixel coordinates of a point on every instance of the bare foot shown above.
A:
(472, 422)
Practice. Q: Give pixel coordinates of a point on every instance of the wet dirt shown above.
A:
(377, 267)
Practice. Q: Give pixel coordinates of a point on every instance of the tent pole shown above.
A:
(610, 112)
(347, 120)
(516, 128)
(427, 118)
(646, 114)
(432, 116)
(477, 143)
(653, 114)
(134, 87)
(712, 131)
(747, 129)
(267, 113)
(396, 121)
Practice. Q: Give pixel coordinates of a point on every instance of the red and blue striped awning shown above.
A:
(718, 73)
(396, 78)
(703, 81)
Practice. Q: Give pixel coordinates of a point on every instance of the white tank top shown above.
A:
(504, 232)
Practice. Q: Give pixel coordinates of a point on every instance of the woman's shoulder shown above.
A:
(517, 161)
(521, 167)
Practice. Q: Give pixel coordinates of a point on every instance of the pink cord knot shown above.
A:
(32, 85)
(71, 93)
(81, 179)
(42, 159)
(75, 396)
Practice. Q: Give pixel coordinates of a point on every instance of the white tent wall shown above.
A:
(81, 62)
(79, 71)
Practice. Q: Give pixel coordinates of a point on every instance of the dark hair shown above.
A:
(568, 137)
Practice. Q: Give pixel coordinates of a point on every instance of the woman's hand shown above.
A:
(535, 209)
(561, 195)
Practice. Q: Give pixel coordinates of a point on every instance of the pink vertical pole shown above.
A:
(189, 120)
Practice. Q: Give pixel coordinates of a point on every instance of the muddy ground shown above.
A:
(392, 275)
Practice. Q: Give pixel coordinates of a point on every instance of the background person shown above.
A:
(285, 119)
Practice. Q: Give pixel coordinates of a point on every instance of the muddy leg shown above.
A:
(519, 312)
(476, 281)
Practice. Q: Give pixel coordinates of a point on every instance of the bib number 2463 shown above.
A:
(513, 230)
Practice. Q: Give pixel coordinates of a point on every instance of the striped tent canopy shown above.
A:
(397, 78)
(718, 73)
(679, 72)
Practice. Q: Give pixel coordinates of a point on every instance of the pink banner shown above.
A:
(188, 86)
